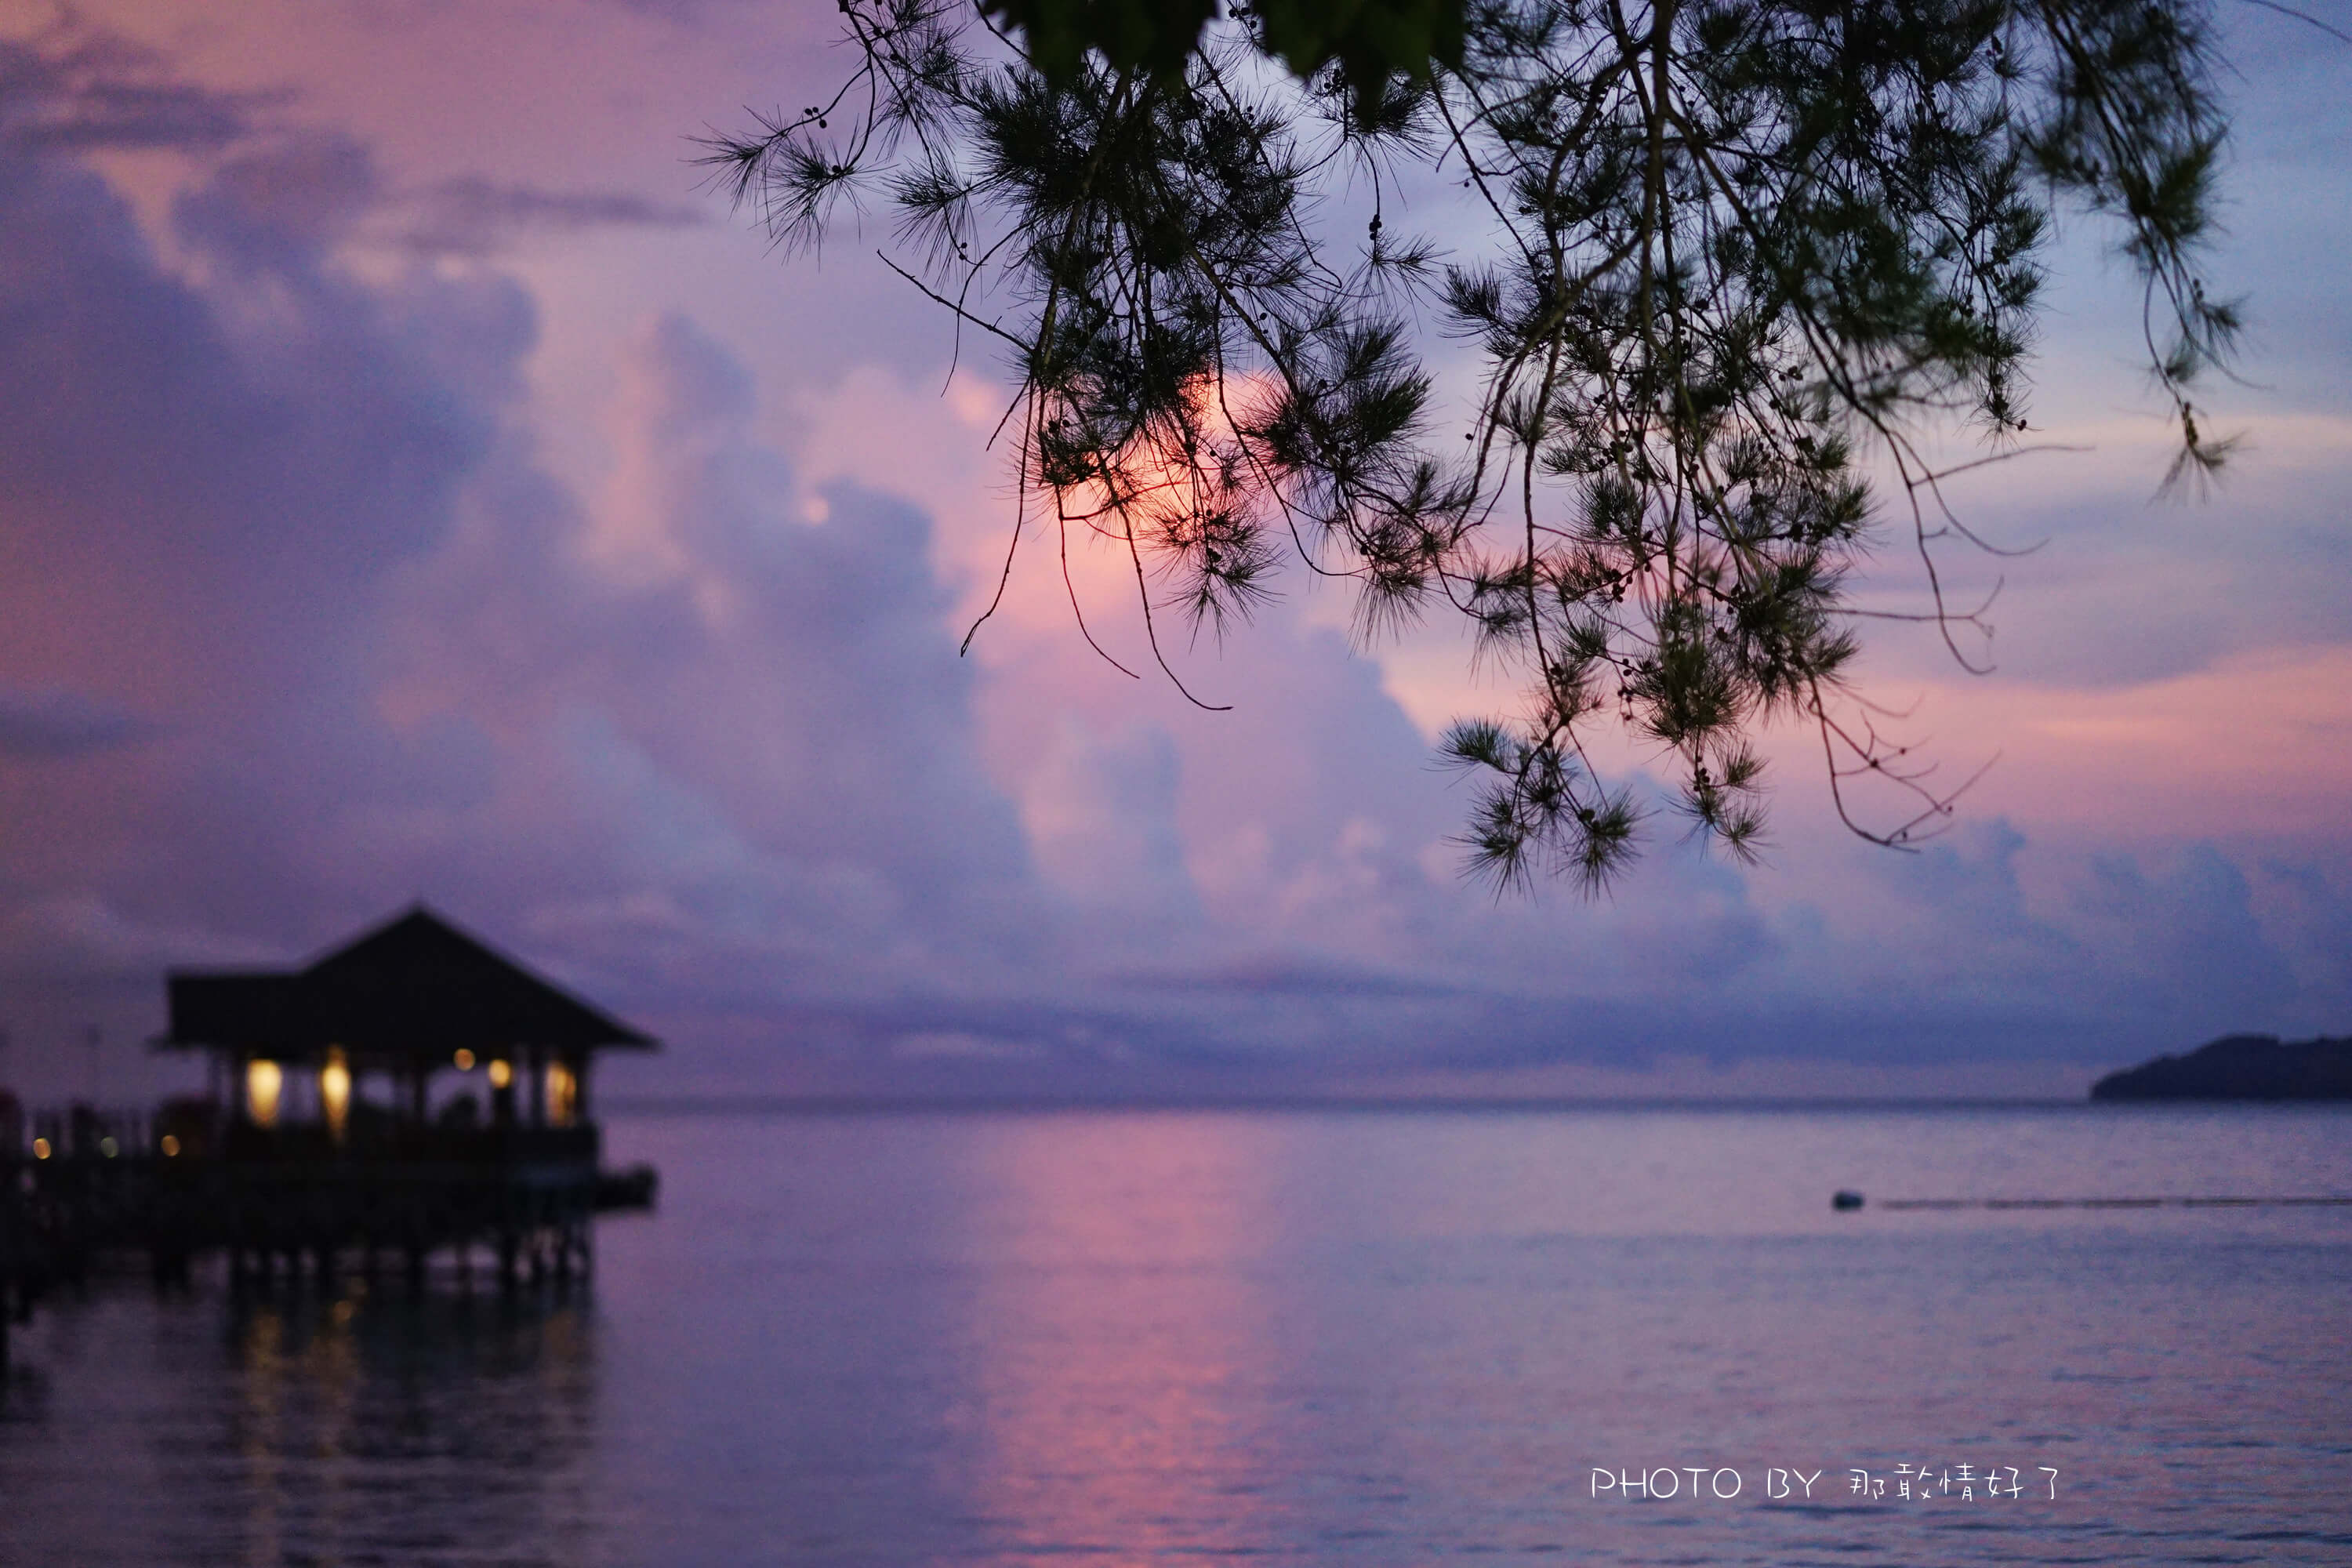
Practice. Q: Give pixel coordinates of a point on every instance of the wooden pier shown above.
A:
(290, 1169)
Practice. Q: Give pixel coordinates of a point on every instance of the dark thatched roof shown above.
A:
(416, 987)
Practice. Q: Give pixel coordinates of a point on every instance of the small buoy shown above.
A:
(1846, 1199)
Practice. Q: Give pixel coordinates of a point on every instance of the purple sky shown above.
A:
(413, 483)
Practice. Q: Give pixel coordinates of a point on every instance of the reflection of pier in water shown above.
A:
(349, 1425)
(288, 1164)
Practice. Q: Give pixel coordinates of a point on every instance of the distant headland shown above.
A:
(2240, 1066)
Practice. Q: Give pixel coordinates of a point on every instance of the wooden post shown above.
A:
(538, 1060)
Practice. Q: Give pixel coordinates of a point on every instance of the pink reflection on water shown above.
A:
(1121, 1346)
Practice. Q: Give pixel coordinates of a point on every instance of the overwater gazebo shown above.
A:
(289, 1164)
(291, 1157)
(405, 1004)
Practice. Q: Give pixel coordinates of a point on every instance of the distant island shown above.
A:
(2240, 1066)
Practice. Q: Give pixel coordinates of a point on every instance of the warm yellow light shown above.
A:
(501, 1073)
(40, 1148)
(335, 1092)
(169, 1144)
(563, 1095)
(109, 1147)
(263, 1079)
(464, 1059)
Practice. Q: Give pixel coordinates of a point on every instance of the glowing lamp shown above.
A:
(335, 1092)
(464, 1059)
(109, 1147)
(562, 1094)
(40, 1148)
(169, 1144)
(501, 1073)
(263, 1080)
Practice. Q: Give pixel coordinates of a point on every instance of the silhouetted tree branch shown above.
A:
(1738, 246)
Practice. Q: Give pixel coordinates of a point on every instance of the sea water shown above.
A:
(1342, 1336)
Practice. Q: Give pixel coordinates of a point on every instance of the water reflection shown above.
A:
(1124, 1336)
(911, 1340)
(265, 1430)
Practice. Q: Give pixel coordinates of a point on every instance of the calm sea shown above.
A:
(1346, 1337)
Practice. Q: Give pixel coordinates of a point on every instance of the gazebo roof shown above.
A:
(414, 986)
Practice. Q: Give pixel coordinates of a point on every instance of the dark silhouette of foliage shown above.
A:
(1740, 247)
(1365, 41)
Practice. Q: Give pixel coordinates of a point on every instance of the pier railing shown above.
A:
(245, 1144)
(83, 1133)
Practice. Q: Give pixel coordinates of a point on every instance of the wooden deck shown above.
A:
(284, 1204)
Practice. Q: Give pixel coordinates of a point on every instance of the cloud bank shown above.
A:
(310, 606)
